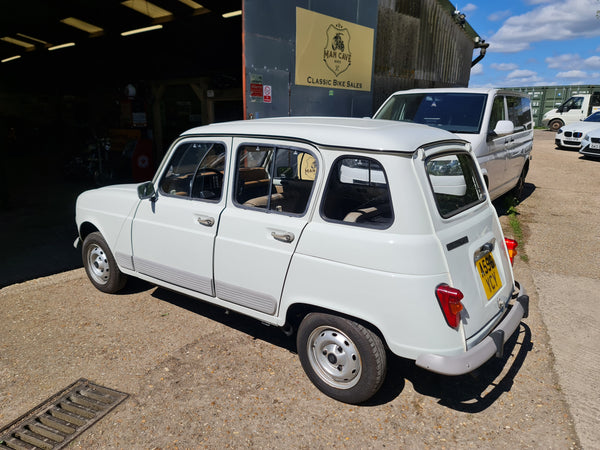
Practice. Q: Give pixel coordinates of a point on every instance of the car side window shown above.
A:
(195, 171)
(519, 112)
(274, 179)
(357, 193)
(497, 112)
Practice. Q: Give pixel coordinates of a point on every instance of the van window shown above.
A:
(519, 112)
(195, 171)
(455, 112)
(455, 183)
(274, 179)
(357, 193)
(497, 112)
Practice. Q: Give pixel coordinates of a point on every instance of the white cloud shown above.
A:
(568, 19)
(523, 77)
(570, 60)
(521, 73)
(504, 66)
(561, 61)
(499, 15)
(469, 7)
(477, 69)
(592, 62)
(572, 74)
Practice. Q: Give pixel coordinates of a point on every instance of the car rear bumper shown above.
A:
(492, 345)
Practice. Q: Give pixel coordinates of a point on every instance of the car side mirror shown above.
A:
(146, 190)
(504, 127)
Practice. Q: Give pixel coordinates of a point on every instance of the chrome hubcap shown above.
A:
(98, 264)
(334, 357)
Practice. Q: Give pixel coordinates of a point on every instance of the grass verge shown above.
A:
(515, 224)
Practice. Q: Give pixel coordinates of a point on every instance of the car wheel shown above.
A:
(517, 191)
(555, 125)
(100, 264)
(342, 358)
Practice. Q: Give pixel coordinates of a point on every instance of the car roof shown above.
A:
(462, 91)
(371, 134)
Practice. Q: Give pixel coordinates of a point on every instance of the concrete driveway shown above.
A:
(562, 226)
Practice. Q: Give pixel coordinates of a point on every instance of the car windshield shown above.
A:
(593, 118)
(455, 112)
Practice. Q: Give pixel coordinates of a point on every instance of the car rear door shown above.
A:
(268, 208)
(470, 234)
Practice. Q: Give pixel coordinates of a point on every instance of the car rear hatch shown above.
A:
(470, 234)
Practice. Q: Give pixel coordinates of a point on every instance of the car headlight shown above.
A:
(586, 137)
(560, 130)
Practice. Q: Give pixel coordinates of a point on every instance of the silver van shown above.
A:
(497, 123)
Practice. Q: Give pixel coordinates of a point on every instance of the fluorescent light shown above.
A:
(141, 30)
(27, 45)
(83, 26)
(12, 58)
(58, 47)
(147, 8)
(31, 38)
(192, 4)
(232, 14)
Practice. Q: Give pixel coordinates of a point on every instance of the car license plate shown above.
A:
(488, 272)
(595, 146)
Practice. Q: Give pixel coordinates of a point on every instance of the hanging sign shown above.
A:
(332, 53)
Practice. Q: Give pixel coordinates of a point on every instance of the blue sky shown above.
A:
(536, 42)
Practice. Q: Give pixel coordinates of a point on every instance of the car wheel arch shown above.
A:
(87, 228)
(296, 312)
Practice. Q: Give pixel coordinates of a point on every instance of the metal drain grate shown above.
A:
(60, 419)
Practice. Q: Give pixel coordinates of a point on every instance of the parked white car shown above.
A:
(590, 144)
(360, 236)
(570, 136)
(498, 123)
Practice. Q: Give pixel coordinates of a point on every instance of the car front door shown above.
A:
(521, 142)
(494, 161)
(173, 234)
(269, 205)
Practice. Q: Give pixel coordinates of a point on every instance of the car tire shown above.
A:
(555, 125)
(517, 191)
(100, 264)
(342, 358)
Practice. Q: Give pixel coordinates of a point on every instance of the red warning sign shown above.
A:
(267, 94)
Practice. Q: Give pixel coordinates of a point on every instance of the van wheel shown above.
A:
(555, 125)
(100, 265)
(517, 191)
(343, 359)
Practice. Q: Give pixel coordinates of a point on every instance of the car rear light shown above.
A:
(449, 299)
(511, 246)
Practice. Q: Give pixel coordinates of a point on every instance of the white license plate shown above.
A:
(595, 146)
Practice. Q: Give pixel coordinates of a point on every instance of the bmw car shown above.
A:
(590, 144)
(570, 136)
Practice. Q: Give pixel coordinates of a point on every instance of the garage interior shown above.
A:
(71, 72)
(71, 76)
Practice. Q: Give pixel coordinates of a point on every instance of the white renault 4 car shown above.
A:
(360, 236)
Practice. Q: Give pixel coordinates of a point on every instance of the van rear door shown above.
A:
(470, 234)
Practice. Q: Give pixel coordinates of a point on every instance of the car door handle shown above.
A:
(207, 222)
(283, 237)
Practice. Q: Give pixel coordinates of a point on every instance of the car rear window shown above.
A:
(455, 182)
